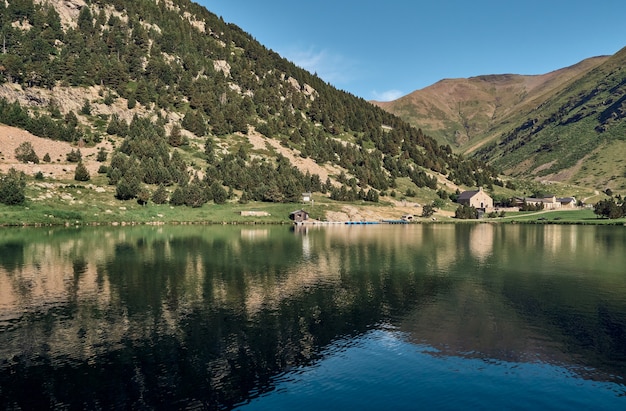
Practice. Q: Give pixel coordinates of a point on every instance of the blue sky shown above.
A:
(381, 50)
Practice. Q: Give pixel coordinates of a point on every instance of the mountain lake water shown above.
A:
(376, 317)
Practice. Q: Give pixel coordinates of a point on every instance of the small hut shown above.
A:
(299, 216)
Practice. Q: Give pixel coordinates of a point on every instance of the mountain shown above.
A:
(566, 125)
(577, 135)
(463, 112)
(190, 107)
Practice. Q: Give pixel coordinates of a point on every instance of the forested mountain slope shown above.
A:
(178, 92)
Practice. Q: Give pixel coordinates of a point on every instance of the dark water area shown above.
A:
(348, 317)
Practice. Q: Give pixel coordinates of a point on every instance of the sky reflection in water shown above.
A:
(382, 370)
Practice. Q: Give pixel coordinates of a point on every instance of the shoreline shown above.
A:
(599, 222)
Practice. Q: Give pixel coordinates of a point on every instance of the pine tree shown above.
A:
(81, 173)
(143, 196)
(128, 186)
(102, 155)
(12, 187)
(160, 195)
(176, 138)
(218, 192)
(178, 197)
(74, 156)
(245, 198)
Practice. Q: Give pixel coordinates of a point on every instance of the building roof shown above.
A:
(466, 195)
(566, 200)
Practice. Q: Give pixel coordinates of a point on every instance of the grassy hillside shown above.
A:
(466, 113)
(565, 126)
(577, 135)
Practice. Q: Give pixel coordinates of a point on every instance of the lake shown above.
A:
(433, 316)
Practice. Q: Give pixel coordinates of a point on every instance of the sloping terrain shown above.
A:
(466, 112)
(188, 102)
(577, 135)
(567, 125)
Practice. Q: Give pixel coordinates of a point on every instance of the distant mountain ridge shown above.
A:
(566, 125)
(463, 110)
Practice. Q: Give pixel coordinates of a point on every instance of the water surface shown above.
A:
(366, 317)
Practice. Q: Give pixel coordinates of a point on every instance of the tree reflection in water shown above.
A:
(179, 317)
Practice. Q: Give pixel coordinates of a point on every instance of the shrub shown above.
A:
(12, 187)
(74, 156)
(439, 203)
(102, 155)
(466, 212)
(428, 210)
(26, 153)
(109, 99)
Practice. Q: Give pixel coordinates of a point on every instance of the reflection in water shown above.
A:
(481, 240)
(209, 317)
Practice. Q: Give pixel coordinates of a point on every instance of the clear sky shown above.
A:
(381, 50)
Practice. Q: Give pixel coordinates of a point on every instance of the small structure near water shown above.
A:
(299, 216)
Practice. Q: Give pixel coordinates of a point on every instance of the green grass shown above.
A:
(130, 212)
(72, 203)
(52, 202)
(584, 216)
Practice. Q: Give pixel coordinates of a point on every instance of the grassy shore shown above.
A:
(88, 204)
(82, 213)
(112, 212)
(577, 216)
